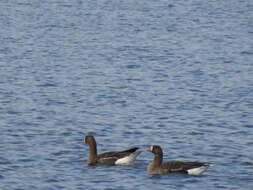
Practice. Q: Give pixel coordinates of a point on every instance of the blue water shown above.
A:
(134, 73)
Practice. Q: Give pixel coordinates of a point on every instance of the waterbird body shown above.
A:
(158, 167)
(125, 157)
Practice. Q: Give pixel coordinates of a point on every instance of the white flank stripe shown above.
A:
(124, 161)
(197, 171)
(128, 159)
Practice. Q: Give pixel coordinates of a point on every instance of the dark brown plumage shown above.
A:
(158, 167)
(109, 158)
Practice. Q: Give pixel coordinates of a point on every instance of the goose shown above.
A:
(157, 166)
(125, 157)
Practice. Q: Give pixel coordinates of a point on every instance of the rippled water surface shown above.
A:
(135, 73)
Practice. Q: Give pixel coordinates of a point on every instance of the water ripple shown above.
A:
(176, 74)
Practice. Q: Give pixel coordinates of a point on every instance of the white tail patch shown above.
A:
(128, 159)
(197, 171)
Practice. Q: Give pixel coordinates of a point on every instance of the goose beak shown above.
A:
(148, 150)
